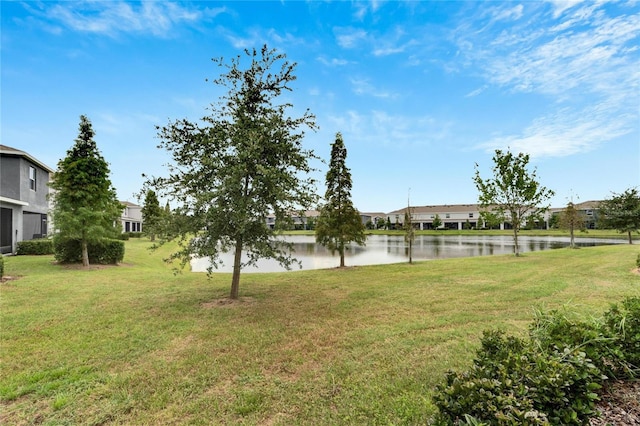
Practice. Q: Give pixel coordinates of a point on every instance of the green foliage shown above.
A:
(551, 378)
(238, 165)
(513, 193)
(151, 215)
(85, 206)
(35, 247)
(437, 222)
(1, 266)
(105, 251)
(339, 222)
(638, 260)
(621, 212)
(514, 381)
(622, 323)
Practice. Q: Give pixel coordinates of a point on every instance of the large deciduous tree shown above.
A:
(339, 222)
(242, 162)
(85, 206)
(513, 193)
(151, 215)
(621, 212)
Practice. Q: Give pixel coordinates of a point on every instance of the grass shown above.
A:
(136, 344)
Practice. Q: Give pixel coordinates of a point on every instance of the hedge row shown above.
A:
(35, 247)
(104, 252)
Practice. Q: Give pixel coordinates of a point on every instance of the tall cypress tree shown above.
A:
(151, 215)
(339, 222)
(85, 206)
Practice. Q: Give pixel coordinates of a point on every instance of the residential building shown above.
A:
(587, 209)
(24, 204)
(456, 216)
(131, 217)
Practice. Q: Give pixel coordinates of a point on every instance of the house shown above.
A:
(587, 209)
(131, 217)
(456, 216)
(24, 204)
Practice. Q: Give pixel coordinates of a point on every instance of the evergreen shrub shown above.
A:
(550, 378)
(106, 251)
(35, 247)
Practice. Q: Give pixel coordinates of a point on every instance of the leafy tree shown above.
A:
(242, 163)
(151, 214)
(571, 219)
(339, 222)
(388, 223)
(513, 193)
(437, 222)
(622, 212)
(85, 206)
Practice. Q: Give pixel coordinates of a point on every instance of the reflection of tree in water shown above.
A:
(313, 249)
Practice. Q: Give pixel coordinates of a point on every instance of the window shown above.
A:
(471, 215)
(448, 216)
(32, 178)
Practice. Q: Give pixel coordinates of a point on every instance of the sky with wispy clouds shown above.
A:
(421, 91)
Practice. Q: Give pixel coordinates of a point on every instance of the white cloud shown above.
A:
(584, 62)
(349, 38)
(115, 17)
(378, 128)
(560, 6)
(364, 87)
(333, 62)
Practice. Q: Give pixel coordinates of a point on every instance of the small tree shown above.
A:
(85, 206)
(622, 212)
(244, 162)
(513, 192)
(409, 231)
(437, 222)
(388, 223)
(571, 219)
(339, 222)
(151, 215)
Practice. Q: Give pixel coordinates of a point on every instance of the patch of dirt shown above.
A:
(226, 302)
(619, 404)
(7, 278)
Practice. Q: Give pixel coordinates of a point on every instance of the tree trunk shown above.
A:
(630, 239)
(342, 258)
(572, 244)
(85, 253)
(516, 249)
(235, 280)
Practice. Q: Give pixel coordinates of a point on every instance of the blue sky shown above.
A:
(421, 91)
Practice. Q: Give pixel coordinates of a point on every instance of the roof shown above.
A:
(446, 208)
(129, 204)
(13, 152)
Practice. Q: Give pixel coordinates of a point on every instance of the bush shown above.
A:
(35, 247)
(1, 266)
(106, 251)
(622, 323)
(549, 378)
(638, 261)
(512, 381)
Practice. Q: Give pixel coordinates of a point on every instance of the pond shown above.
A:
(384, 249)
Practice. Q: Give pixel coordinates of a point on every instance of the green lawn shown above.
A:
(136, 344)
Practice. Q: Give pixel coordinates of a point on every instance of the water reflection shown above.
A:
(383, 249)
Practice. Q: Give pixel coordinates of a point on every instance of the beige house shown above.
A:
(454, 216)
(131, 217)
